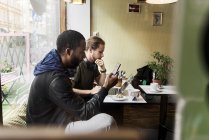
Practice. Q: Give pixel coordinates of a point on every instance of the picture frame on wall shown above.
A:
(157, 18)
(134, 8)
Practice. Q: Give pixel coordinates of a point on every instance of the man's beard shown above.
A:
(74, 63)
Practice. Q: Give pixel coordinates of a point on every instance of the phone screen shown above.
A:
(116, 69)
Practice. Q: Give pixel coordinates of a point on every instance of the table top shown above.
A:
(110, 99)
(165, 90)
(126, 99)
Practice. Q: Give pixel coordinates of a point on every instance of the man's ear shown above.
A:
(69, 51)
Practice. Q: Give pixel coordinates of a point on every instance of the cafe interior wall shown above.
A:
(131, 37)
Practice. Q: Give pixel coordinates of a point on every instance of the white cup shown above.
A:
(154, 86)
(133, 93)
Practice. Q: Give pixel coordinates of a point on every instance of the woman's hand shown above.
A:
(95, 90)
(100, 64)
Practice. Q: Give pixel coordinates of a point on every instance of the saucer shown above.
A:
(161, 87)
(154, 91)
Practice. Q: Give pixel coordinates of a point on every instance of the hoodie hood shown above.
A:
(51, 62)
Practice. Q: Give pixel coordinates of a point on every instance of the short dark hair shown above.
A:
(68, 39)
(94, 42)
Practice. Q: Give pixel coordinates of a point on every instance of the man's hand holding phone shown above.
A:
(112, 79)
(116, 69)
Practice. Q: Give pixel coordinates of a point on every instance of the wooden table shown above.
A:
(119, 108)
(164, 92)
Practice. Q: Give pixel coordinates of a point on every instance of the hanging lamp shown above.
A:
(76, 1)
(160, 1)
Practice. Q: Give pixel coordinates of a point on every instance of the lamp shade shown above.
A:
(160, 1)
(76, 1)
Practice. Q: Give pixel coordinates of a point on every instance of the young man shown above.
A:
(52, 100)
(91, 69)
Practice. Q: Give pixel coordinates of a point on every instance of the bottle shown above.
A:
(153, 76)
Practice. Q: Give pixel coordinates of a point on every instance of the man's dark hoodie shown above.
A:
(51, 62)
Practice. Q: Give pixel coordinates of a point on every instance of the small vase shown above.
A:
(156, 81)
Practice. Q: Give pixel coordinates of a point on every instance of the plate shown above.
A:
(161, 87)
(119, 99)
(151, 91)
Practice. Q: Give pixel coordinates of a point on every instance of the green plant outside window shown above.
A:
(5, 67)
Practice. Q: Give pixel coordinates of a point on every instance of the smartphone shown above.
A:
(116, 69)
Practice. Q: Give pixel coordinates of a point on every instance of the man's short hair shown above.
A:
(68, 39)
(94, 42)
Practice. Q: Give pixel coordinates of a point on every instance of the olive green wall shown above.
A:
(130, 37)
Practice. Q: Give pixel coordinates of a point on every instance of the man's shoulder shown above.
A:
(59, 77)
(82, 64)
(52, 75)
(60, 84)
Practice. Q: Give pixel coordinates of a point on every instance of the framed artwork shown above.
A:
(157, 18)
(134, 8)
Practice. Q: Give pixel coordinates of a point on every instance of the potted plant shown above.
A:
(161, 66)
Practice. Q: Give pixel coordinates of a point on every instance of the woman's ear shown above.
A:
(90, 50)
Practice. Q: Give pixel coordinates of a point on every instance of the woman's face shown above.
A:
(98, 53)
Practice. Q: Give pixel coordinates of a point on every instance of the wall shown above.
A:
(130, 37)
